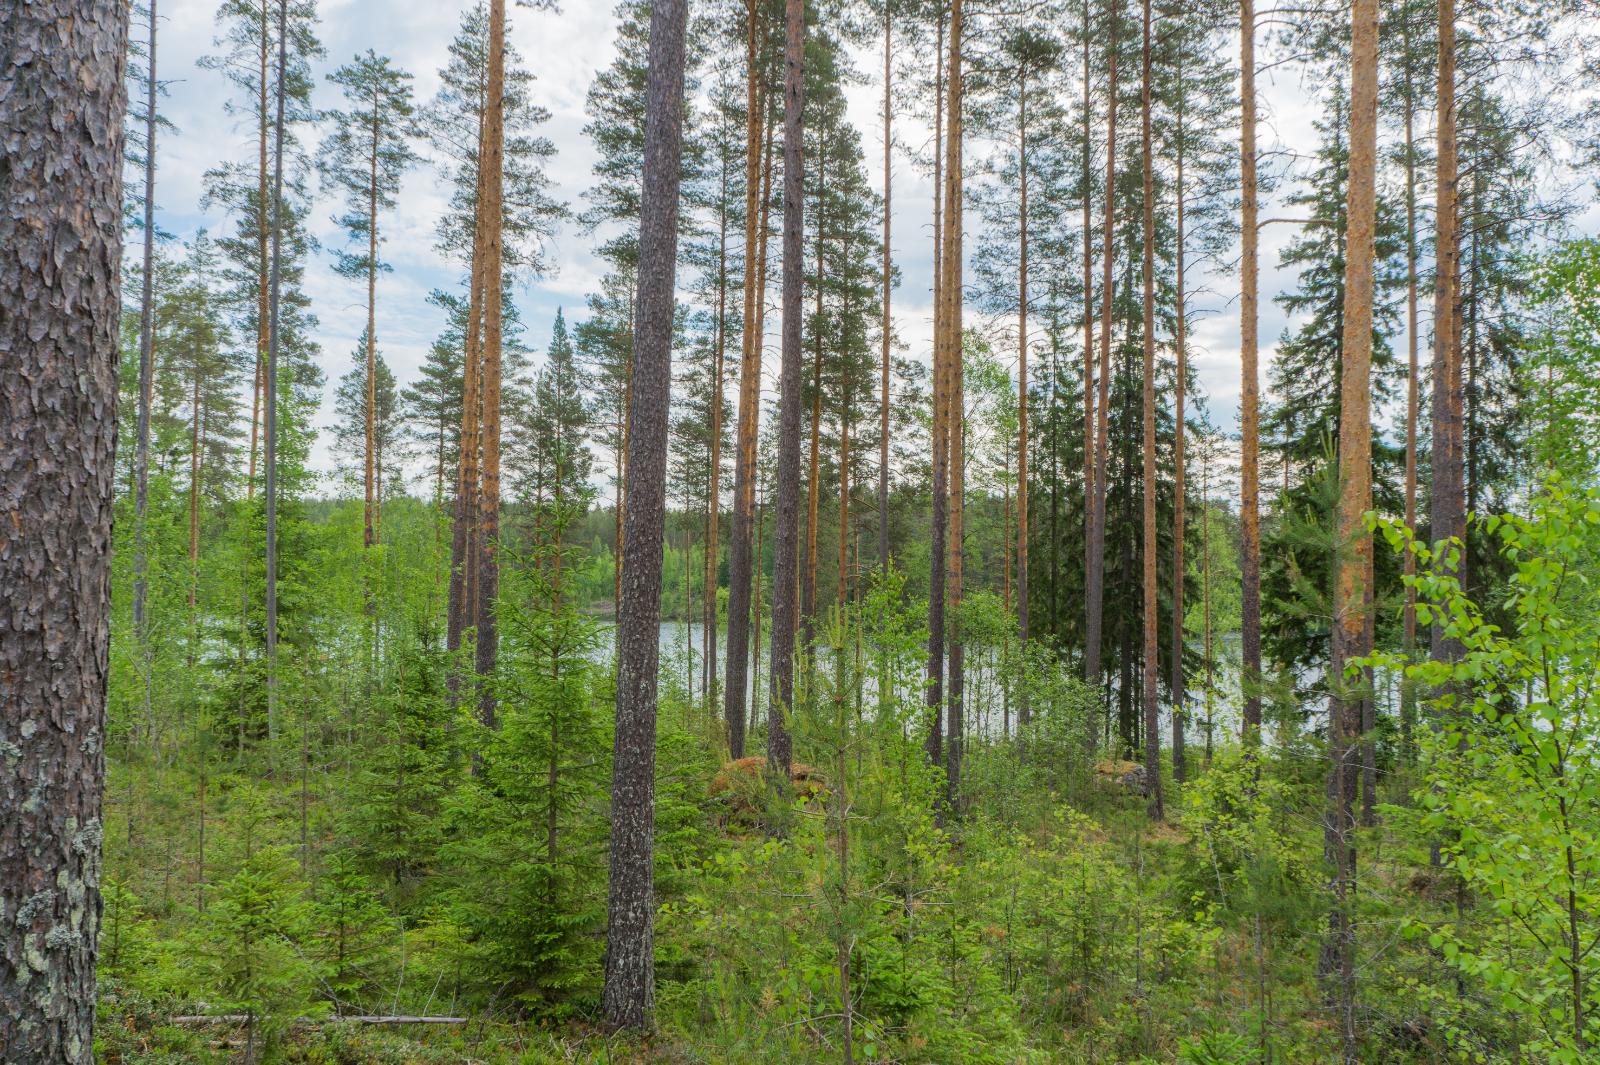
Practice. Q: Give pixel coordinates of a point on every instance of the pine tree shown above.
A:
(369, 380)
(364, 158)
(247, 48)
(629, 993)
(60, 251)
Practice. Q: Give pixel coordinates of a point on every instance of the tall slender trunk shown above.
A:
(808, 596)
(1086, 176)
(141, 561)
(1179, 710)
(490, 220)
(263, 254)
(888, 269)
(270, 488)
(1205, 586)
(1094, 590)
(1249, 395)
(1022, 384)
(786, 564)
(740, 563)
(937, 534)
(1353, 555)
(952, 262)
(1447, 507)
(194, 497)
(708, 590)
(463, 605)
(629, 994)
(1151, 548)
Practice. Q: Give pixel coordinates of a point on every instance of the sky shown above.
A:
(565, 49)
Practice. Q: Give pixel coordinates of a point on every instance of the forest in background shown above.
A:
(728, 677)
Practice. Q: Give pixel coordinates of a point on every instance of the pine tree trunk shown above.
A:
(141, 579)
(464, 555)
(1151, 548)
(63, 66)
(1353, 554)
(629, 995)
(740, 562)
(1408, 700)
(951, 261)
(1086, 177)
(263, 256)
(934, 745)
(1094, 590)
(1249, 396)
(369, 531)
(786, 564)
(1447, 508)
(1022, 385)
(1179, 709)
(888, 268)
(808, 598)
(274, 343)
(490, 220)
(708, 589)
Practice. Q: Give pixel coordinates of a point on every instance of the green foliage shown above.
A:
(1511, 789)
(246, 949)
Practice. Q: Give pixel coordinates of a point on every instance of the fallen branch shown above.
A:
(244, 1018)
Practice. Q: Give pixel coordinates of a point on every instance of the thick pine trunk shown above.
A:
(1352, 559)
(62, 63)
(780, 754)
(1151, 542)
(629, 995)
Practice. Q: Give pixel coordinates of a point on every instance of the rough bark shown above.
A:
(62, 65)
(1151, 542)
(740, 557)
(780, 754)
(1249, 394)
(629, 995)
(1352, 559)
